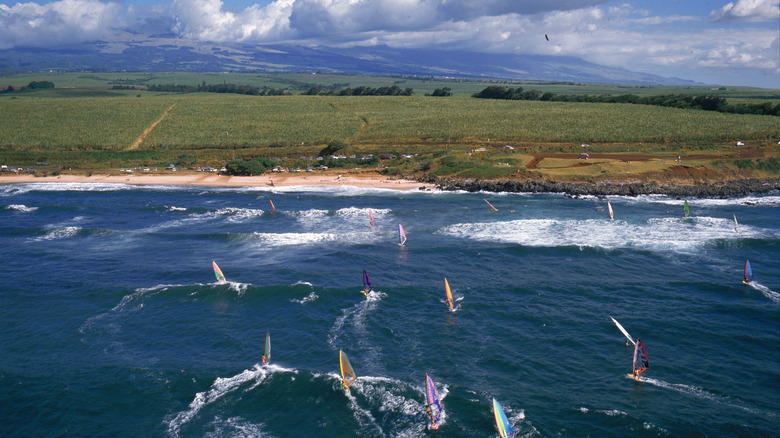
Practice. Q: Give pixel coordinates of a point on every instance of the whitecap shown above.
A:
(21, 208)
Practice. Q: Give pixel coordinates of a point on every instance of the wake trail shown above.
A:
(702, 393)
(220, 388)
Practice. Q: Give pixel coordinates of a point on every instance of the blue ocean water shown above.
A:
(113, 323)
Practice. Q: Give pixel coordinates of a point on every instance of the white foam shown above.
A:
(311, 297)
(655, 233)
(58, 233)
(300, 239)
(220, 388)
(21, 208)
(772, 295)
(702, 393)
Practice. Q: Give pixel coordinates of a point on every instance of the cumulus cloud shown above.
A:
(748, 10)
(59, 23)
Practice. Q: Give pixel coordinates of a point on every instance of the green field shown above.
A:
(93, 127)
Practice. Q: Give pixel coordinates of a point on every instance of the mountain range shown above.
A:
(167, 53)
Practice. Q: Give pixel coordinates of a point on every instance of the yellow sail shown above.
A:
(347, 373)
(449, 293)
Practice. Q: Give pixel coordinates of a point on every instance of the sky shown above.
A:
(709, 41)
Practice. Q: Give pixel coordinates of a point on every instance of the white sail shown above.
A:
(623, 330)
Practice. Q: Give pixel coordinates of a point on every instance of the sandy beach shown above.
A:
(210, 179)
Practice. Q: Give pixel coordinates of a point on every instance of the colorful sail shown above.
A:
(609, 208)
(371, 218)
(272, 205)
(640, 359)
(434, 407)
(623, 330)
(504, 428)
(366, 283)
(449, 293)
(736, 225)
(686, 210)
(267, 350)
(748, 272)
(491, 205)
(401, 235)
(347, 373)
(218, 272)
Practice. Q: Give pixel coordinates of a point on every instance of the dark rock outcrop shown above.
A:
(720, 189)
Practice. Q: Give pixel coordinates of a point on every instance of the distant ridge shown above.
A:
(173, 54)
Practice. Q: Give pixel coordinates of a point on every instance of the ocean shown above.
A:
(113, 323)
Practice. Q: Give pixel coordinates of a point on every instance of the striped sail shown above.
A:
(218, 272)
(434, 404)
(267, 351)
(401, 235)
(449, 293)
(504, 428)
(640, 359)
(272, 205)
(347, 373)
(366, 283)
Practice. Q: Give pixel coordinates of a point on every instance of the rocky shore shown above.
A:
(718, 189)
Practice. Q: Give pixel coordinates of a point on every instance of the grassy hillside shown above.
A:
(99, 128)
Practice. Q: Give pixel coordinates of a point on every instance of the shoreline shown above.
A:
(700, 189)
(213, 180)
(724, 188)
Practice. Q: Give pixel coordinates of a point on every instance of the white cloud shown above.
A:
(60, 23)
(748, 10)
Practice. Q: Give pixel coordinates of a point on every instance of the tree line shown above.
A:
(707, 103)
(34, 85)
(393, 90)
(218, 88)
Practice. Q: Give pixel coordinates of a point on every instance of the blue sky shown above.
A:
(734, 42)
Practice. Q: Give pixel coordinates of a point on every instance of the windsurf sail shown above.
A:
(267, 351)
(748, 272)
(609, 208)
(272, 205)
(736, 225)
(449, 293)
(371, 218)
(218, 272)
(686, 210)
(491, 205)
(504, 428)
(434, 407)
(401, 235)
(623, 330)
(347, 373)
(640, 359)
(366, 283)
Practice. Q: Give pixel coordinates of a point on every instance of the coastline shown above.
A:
(703, 189)
(214, 180)
(698, 189)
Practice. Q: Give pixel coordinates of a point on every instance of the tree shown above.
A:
(248, 167)
(332, 147)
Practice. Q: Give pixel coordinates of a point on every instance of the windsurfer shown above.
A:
(263, 359)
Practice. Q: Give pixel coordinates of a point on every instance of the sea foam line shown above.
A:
(220, 388)
(704, 394)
